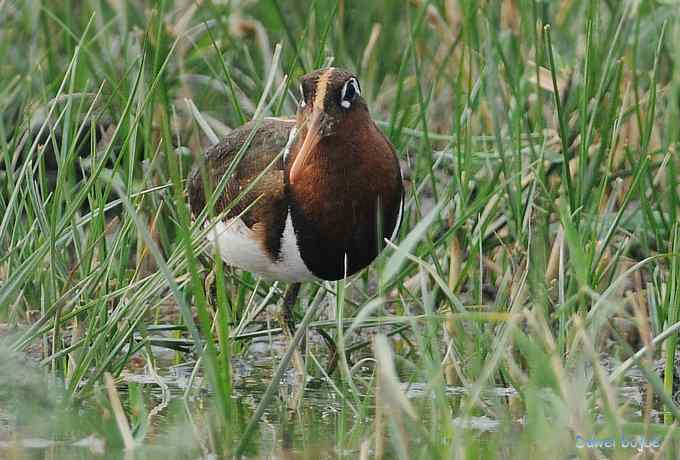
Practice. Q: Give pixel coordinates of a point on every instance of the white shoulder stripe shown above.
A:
(289, 143)
(397, 224)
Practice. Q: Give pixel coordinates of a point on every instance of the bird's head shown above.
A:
(328, 98)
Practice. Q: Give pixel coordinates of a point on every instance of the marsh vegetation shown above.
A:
(529, 307)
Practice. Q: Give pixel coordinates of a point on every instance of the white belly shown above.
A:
(237, 246)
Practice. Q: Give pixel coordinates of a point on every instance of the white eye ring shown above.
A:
(357, 92)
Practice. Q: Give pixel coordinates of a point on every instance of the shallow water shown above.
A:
(322, 425)
(171, 413)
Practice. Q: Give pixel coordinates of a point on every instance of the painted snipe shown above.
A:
(323, 208)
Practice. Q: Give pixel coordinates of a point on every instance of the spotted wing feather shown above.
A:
(256, 196)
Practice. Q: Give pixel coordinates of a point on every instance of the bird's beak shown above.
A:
(314, 132)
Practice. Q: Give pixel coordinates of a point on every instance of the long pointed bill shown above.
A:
(308, 145)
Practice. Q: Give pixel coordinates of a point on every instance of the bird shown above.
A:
(305, 198)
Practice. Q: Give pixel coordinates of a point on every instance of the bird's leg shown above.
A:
(289, 299)
(332, 351)
(288, 304)
(288, 326)
(210, 288)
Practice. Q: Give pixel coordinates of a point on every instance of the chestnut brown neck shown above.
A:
(343, 146)
(351, 177)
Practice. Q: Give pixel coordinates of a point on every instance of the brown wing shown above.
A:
(263, 207)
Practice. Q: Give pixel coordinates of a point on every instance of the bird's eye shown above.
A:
(303, 103)
(350, 92)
